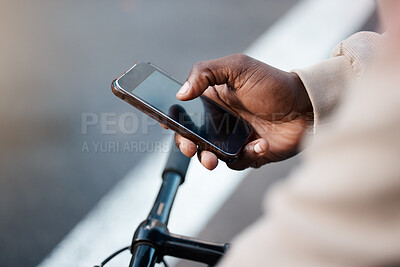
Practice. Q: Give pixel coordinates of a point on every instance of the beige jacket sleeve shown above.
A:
(341, 207)
(327, 81)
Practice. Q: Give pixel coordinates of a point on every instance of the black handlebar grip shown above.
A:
(177, 163)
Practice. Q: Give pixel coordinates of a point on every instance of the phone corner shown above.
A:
(115, 89)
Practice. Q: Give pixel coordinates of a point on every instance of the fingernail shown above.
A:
(257, 148)
(184, 89)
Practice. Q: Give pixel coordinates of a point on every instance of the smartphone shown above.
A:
(210, 126)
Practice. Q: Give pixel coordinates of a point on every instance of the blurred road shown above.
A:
(57, 62)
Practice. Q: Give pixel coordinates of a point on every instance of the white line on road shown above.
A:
(310, 31)
(303, 36)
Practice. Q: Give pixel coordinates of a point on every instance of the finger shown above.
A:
(214, 93)
(209, 160)
(209, 73)
(187, 147)
(252, 155)
(163, 126)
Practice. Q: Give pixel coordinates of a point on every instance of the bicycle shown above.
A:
(152, 240)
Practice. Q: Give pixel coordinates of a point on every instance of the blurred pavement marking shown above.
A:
(305, 35)
(310, 31)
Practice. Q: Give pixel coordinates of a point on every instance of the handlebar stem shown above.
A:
(152, 239)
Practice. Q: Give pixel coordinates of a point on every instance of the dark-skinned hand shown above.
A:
(274, 102)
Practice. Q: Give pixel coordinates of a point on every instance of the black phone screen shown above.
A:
(201, 115)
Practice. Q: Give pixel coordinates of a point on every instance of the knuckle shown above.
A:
(199, 67)
(240, 58)
(202, 72)
(259, 163)
(235, 166)
(255, 165)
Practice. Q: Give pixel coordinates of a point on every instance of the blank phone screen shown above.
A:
(200, 116)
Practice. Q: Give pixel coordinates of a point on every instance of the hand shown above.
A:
(274, 102)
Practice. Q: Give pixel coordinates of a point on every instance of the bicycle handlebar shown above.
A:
(145, 254)
(152, 239)
(177, 163)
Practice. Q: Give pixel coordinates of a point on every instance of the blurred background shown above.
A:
(58, 59)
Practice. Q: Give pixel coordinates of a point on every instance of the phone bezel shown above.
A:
(159, 116)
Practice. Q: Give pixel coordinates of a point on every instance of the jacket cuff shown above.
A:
(325, 84)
